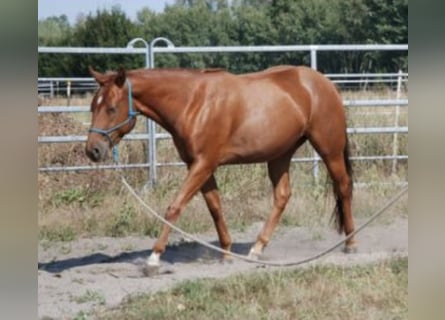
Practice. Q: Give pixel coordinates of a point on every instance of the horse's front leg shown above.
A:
(199, 173)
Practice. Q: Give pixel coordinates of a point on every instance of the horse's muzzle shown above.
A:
(97, 151)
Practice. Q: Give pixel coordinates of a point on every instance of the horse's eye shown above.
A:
(111, 110)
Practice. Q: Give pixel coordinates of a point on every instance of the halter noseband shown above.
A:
(131, 115)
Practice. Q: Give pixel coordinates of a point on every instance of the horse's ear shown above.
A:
(99, 77)
(120, 77)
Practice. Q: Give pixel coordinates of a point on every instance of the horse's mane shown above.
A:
(209, 70)
(185, 71)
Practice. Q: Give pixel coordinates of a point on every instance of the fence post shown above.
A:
(68, 92)
(51, 90)
(395, 144)
(149, 124)
(315, 168)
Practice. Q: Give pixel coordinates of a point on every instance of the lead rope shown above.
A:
(262, 262)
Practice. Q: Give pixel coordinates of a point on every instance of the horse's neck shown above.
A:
(161, 95)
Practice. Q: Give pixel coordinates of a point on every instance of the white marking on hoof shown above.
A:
(152, 265)
(154, 260)
(253, 254)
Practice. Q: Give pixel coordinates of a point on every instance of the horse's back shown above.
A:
(297, 101)
(308, 87)
(304, 88)
(282, 72)
(294, 78)
(261, 115)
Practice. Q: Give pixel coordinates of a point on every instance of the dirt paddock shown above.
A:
(97, 273)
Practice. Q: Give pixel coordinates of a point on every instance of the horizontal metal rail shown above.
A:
(378, 130)
(176, 164)
(364, 81)
(364, 75)
(63, 109)
(59, 84)
(220, 49)
(72, 79)
(376, 103)
(145, 136)
(328, 75)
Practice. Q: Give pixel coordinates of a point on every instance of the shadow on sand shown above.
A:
(185, 252)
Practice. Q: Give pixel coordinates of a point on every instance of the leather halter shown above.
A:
(131, 115)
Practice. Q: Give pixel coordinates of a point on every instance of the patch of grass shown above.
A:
(90, 296)
(67, 197)
(77, 196)
(123, 221)
(128, 219)
(378, 291)
(311, 205)
(81, 315)
(61, 233)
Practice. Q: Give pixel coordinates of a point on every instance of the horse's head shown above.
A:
(113, 113)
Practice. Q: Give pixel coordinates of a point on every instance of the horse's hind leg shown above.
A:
(343, 192)
(279, 175)
(211, 196)
(335, 156)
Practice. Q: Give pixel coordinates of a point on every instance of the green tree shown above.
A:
(54, 31)
(107, 28)
(235, 22)
(253, 26)
(387, 22)
(344, 24)
(190, 23)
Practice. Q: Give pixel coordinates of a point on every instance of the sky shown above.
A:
(72, 8)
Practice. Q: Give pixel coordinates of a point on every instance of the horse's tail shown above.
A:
(338, 213)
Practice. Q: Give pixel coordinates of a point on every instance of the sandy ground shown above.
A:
(92, 274)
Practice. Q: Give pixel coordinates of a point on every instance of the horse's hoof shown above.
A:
(350, 249)
(253, 255)
(150, 270)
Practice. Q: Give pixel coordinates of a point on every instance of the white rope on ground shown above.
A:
(262, 262)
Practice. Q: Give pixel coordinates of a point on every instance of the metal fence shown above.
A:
(151, 136)
(63, 87)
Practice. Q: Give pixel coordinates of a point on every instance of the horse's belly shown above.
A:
(263, 143)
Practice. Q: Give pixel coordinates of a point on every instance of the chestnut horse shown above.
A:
(218, 118)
